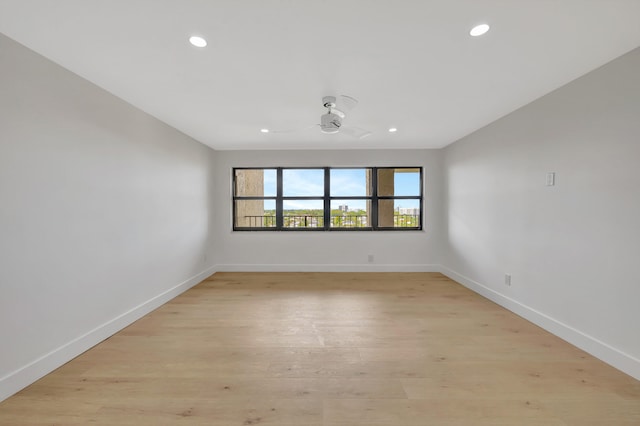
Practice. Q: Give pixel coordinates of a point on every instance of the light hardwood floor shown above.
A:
(331, 349)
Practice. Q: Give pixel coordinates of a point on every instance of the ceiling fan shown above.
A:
(331, 121)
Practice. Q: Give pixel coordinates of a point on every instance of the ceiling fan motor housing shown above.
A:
(330, 123)
(329, 101)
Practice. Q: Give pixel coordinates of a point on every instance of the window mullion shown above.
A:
(327, 200)
(374, 198)
(279, 202)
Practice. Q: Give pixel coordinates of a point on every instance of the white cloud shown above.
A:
(303, 182)
(348, 182)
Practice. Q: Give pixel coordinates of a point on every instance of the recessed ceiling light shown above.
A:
(264, 130)
(478, 30)
(393, 129)
(197, 41)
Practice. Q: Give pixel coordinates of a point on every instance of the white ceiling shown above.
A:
(411, 64)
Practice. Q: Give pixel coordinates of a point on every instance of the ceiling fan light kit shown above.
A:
(330, 123)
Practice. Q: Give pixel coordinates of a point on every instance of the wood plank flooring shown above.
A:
(330, 349)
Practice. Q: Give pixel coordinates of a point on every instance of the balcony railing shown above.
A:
(260, 221)
(317, 221)
(304, 221)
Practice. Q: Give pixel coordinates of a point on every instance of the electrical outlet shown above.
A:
(370, 258)
(507, 280)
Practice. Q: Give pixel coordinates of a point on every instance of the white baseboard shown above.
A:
(24, 376)
(368, 267)
(601, 350)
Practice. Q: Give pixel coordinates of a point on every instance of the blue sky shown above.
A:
(344, 182)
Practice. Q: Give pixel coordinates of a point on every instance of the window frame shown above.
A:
(327, 198)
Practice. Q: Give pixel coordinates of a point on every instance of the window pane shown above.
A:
(398, 182)
(303, 213)
(255, 214)
(399, 213)
(350, 213)
(255, 182)
(303, 182)
(350, 182)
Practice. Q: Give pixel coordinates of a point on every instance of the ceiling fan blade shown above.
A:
(297, 129)
(347, 102)
(355, 132)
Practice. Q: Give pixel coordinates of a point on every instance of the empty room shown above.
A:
(320, 213)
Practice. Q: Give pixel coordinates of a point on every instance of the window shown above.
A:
(327, 198)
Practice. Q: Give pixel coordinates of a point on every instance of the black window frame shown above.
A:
(374, 198)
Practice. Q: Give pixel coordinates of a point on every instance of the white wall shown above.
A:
(104, 215)
(329, 251)
(572, 249)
